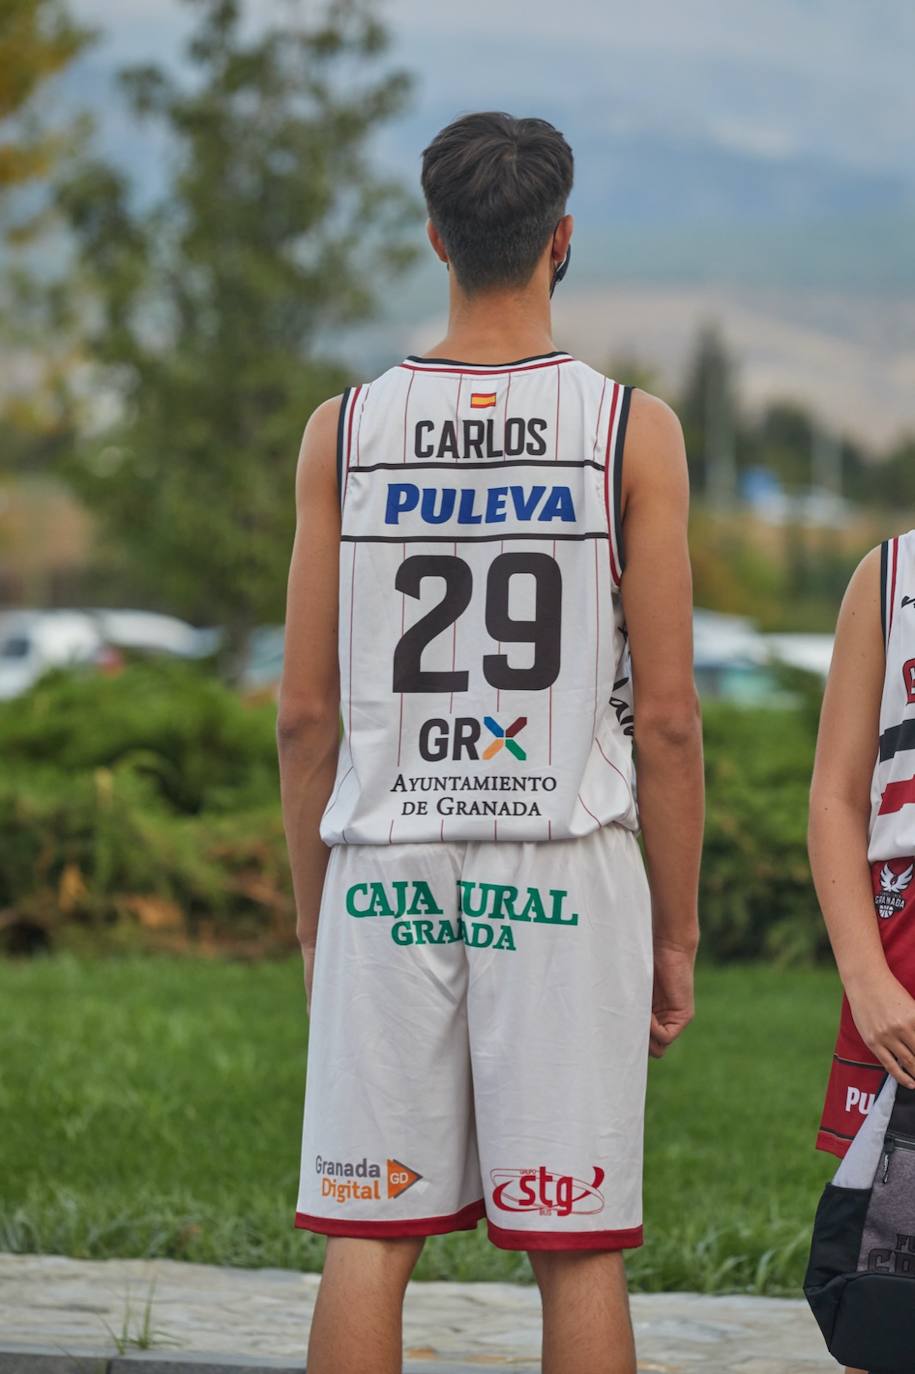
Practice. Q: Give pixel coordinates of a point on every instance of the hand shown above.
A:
(885, 1016)
(672, 999)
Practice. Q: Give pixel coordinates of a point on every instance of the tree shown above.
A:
(214, 311)
(709, 414)
(37, 40)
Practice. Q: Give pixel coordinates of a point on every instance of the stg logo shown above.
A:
(539, 1190)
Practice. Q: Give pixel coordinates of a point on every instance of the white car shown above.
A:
(32, 642)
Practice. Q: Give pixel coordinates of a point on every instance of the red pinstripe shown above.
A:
(596, 639)
(600, 411)
(352, 602)
(610, 762)
(403, 554)
(349, 435)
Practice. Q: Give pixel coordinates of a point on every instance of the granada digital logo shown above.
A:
(539, 1190)
(346, 1180)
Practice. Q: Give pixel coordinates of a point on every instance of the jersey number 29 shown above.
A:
(543, 631)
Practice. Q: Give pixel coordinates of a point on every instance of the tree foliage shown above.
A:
(214, 312)
(38, 39)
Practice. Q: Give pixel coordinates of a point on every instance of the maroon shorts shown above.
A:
(856, 1075)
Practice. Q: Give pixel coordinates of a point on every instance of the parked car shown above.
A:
(152, 632)
(32, 642)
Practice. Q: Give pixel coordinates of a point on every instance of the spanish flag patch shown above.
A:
(480, 400)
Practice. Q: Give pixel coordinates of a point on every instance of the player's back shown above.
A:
(484, 677)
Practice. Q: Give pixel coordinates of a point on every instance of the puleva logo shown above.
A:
(539, 1190)
(504, 737)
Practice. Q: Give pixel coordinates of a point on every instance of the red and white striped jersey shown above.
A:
(892, 824)
(484, 673)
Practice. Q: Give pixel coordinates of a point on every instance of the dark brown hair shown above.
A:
(495, 189)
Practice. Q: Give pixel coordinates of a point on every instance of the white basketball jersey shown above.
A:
(484, 674)
(892, 825)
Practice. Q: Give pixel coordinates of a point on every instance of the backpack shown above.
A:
(860, 1280)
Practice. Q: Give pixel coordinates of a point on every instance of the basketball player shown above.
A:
(490, 583)
(862, 835)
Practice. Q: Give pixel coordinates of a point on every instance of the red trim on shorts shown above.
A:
(464, 1220)
(629, 1239)
(832, 1143)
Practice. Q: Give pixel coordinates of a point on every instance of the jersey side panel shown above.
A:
(892, 826)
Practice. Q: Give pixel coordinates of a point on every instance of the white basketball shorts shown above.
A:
(479, 1043)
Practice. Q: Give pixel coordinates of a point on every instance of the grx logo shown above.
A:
(461, 738)
(504, 738)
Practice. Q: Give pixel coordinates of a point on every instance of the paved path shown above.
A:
(65, 1304)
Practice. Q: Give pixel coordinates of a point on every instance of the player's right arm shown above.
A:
(308, 717)
(838, 828)
(656, 590)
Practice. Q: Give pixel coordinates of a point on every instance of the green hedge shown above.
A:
(143, 809)
(757, 897)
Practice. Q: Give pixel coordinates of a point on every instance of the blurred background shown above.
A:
(209, 222)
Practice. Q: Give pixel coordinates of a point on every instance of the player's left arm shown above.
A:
(308, 719)
(657, 600)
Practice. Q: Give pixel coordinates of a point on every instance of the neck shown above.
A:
(496, 326)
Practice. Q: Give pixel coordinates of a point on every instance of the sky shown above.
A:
(762, 147)
(690, 119)
(771, 77)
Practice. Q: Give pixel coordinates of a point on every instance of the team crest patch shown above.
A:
(889, 899)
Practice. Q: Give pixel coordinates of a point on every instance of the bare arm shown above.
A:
(657, 599)
(839, 813)
(308, 719)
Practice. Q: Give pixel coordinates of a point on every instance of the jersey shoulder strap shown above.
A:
(897, 578)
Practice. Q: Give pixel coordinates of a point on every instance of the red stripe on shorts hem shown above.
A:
(628, 1239)
(464, 1220)
(832, 1144)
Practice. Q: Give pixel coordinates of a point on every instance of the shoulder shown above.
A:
(655, 453)
(316, 469)
(652, 422)
(863, 613)
(864, 583)
(322, 423)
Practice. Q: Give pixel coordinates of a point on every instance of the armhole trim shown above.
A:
(884, 565)
(890, 584)
(618, 476)
(341, 421)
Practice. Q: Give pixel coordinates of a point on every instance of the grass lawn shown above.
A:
(152, 1106)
